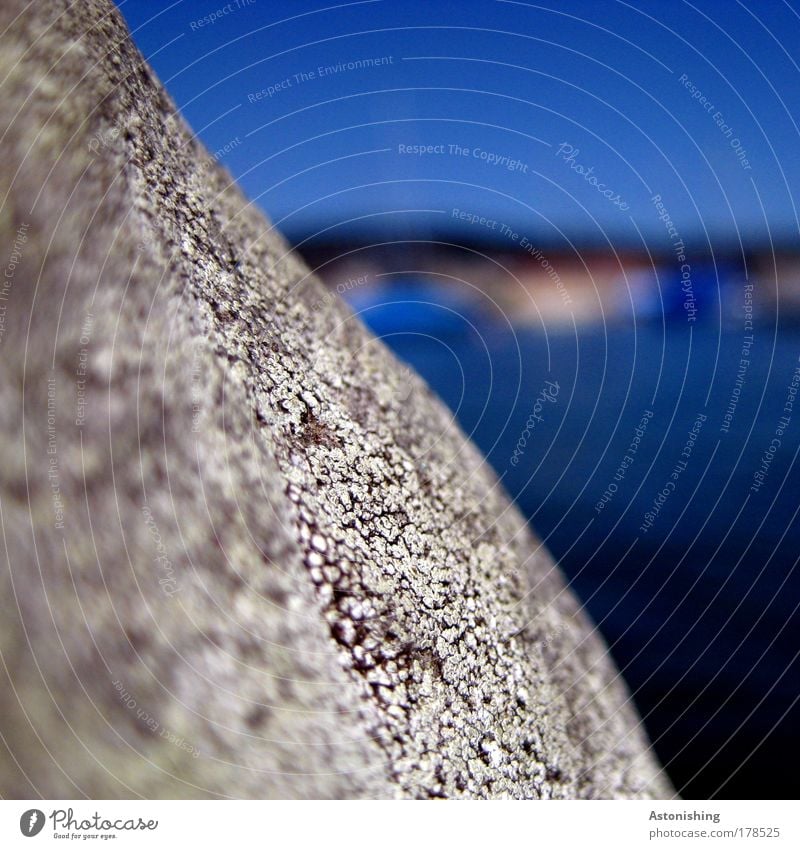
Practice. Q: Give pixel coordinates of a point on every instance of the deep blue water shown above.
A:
(699, 609)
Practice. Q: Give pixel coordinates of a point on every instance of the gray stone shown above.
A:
(248, 554)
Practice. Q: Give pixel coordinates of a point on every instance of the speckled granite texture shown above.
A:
(244, 552)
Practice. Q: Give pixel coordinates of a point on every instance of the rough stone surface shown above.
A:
(244, 552)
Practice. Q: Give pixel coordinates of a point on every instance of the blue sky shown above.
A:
(574, 115)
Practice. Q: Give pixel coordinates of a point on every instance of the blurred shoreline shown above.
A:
(532, 286)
